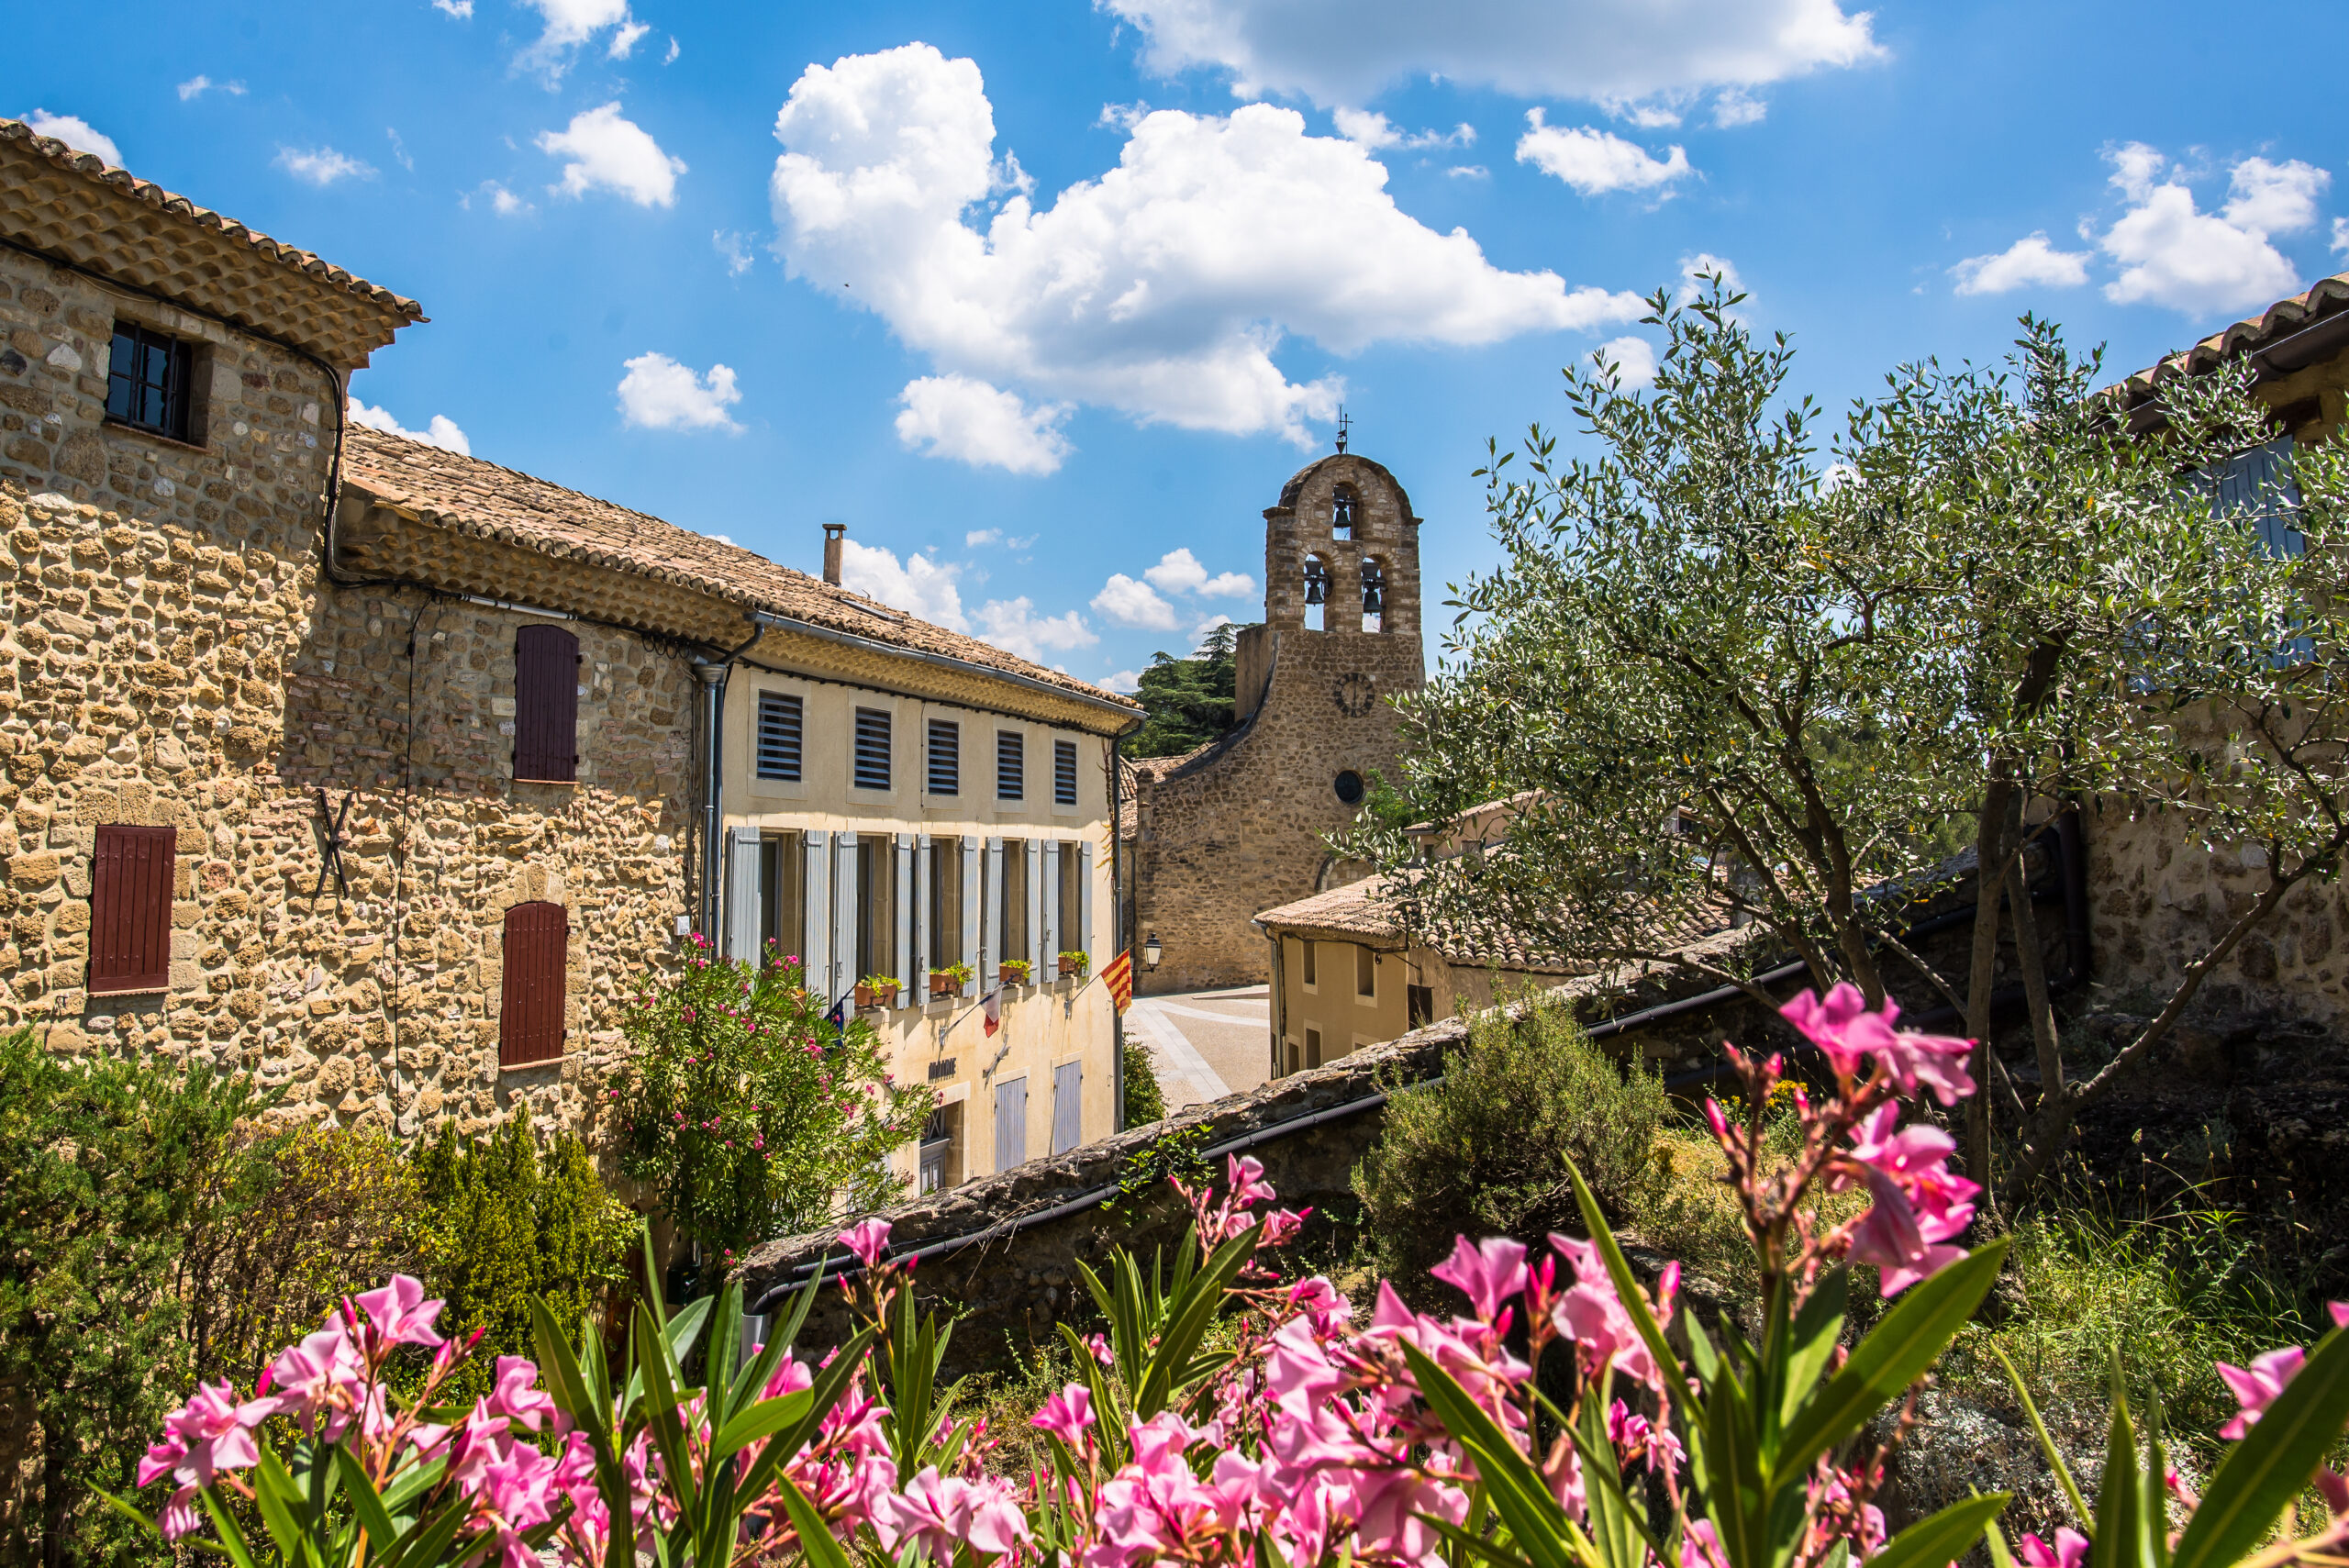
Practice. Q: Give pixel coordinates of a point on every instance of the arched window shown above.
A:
(1374, 594)
(1341, 512)
(1317, 592)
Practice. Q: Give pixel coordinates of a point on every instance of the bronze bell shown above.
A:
(1374, 589)
(1317, 582)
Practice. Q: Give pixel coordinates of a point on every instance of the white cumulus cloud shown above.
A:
(502, 202)
(918, 584)
(198, 85)
(1373, 133)
(2172, 253)
(1162, 288)
(568, 25)
(76, 133)
(1633, 359)
(1344, 51)
(659, 394)
(734, 248)
(1179, 572)
(1127, 681)
(1594, 162)
(460, 9)
(970, 421)
(441, 431)
(1129, 603)
(1704, 264)
(1014, 625)
(2029, 262)
(608, 151)
(1735, 108)
(322, 166)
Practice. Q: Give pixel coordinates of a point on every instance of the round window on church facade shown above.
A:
(1348, 787)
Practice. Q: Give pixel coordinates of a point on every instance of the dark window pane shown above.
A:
(778, 735)
(1010, 765)
(871, 764)
(945, 756)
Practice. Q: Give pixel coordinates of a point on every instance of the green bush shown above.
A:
(502, 1225)
(1145, 1101)
(748, 1111)
(109, 1165)
(329, 1211)
(1483, 1152)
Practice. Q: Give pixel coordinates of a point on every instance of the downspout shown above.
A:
(1118, 934)
(1277, 1009)
(713, 674)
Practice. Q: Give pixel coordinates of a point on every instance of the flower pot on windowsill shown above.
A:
(949, 980)
(877, 996)
(1015, 971)
(1075, 964)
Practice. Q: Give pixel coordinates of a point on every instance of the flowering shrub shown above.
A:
(747, 1108)
(1404, 1440)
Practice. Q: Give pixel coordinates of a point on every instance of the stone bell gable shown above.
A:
(1238, 825)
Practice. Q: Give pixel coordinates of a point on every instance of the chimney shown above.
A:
(833, 534)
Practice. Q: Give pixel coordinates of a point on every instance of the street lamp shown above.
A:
(1151, 951)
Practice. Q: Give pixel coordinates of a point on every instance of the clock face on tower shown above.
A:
(1355, 693)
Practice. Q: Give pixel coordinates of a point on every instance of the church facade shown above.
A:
(1237, 827)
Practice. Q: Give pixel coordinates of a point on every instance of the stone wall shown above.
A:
(171, 657)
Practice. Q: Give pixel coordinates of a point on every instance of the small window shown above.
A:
(945, 756)
(149, 381)
(1063, 772)
(1313, 1048)
(779, 719)
(940, 1137)
(1418, 1002)
(546, 705)
(872, 769)
(130, 908)
(1310, 945)
(1349, 786)
(1010, 765)
(530, 1003)
(1365, 972)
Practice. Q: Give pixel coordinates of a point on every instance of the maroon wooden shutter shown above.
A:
(529, 1019)
(130, 908)
(546, 705)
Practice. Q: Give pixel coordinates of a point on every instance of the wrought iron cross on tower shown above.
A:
(1343, 425)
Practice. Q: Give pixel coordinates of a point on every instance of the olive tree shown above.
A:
(1728, 672)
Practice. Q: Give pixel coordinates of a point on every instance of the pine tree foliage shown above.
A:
(1189, 701)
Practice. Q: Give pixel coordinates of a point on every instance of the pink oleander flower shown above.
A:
(1489, 1273)
(517, 1490)
(790, 1376)
(1100, 1349)
(2255, 1387)
(1701, 1546)
(519, 1396)
(2071, 1549)
(1066, 1414)
(1891, 1236)
(867, 1240)
(938, 1513)
(398, 1313)
(210, 1433)
(320, 1382)
(1245, 1176)
(1842, 1027)
(1281, 1227)
(1593, 1314)
(2340, 1313)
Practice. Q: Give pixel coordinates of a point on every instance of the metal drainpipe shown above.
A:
(714, 674)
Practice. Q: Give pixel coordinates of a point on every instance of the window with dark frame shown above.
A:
(1010, 765)
(779, 719)
(1313, 1048)
(531, 1000)
(1308, 945)
(546, 705)
(1418, 1002)
(131, 875)
(1063, 772)
(1365, 972)
(871, 770)
(150, 380)
(783, 898)
(945, 757)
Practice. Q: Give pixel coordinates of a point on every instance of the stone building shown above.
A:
(1236, 827)
(381, 798)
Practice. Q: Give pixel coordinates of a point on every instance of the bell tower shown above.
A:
(1237, 827)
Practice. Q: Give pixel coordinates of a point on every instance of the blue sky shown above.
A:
(1038, 296)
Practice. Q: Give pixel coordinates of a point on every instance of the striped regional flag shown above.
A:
(1120, 978)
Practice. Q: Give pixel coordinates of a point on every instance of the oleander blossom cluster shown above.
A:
(1315, 1432)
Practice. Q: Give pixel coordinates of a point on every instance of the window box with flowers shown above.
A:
(1078, 963)
(876, 990)
(946, 982)
(1015, 970)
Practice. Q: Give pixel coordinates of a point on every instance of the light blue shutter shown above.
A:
(904, 868)
(1048, 957)
(925, 936)
(742, 894)
(1068, 1106)
(817, 961)
(1010, 1124)
(1084, 907)
(845, 894)
(1037, 957)
(991, 918)
(970, 912)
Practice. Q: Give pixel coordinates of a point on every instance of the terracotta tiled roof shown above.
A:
(1370, 909)
(469, 495)
(2261, 335)
(76, 207)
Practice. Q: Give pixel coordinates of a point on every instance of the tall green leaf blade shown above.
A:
(817, 1543)
(1627, 1286)
(2267, 1469)
(372, 1516)
(1893, 1356)
(763, 1418)
(1813, 1337)
(2081, 1512)
(1939, 1540)
(1536, 1521)
(2117, 1502)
